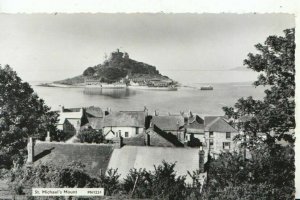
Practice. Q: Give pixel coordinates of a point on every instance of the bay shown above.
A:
(228, 87)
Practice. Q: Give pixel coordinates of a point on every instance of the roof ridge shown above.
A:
(212, 122)
(167, 136)
(228, 124)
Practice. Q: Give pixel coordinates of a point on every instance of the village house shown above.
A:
(124, 124)
(194, 129)
(219, 135)
(72, 120)
(94, 117)
(173, 124)
(195, 134)
(158, 138)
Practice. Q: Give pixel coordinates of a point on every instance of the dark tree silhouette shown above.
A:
(22, 114)
(275, 114)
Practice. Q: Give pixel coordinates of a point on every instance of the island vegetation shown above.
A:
(114, 69)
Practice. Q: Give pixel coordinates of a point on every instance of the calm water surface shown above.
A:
(186, 98)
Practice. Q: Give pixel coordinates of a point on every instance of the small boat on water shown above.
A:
(208, 87)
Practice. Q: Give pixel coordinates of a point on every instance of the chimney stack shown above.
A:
(190, 114)
(48, 138)
(30, 150)
(151, 124)
(146, 111)
(147, 138)
(201, 159)
(118, 142)
(81, 111)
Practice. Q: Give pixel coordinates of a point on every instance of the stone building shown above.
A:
(72, 120)
(219, 135)
(124, 124)
(174, 124)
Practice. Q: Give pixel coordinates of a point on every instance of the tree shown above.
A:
(161, 183)
(270, 170)
(273, 116)
(267, 174)
(22, 114)
(91, 136)
(89, 71)
(165, 184)
(138, 183)
(110, 181)
(49, 175)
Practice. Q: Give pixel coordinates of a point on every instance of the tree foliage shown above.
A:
(91, 136)
(118, 66)
(161, 183)
(275, 114)
(89, 71)
(52, 175)
(22, 114)
(269, 173)
(70, 175)
(110, 182)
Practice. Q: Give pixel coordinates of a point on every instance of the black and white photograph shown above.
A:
(146, 106)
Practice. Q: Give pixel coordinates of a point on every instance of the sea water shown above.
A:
(188, 97)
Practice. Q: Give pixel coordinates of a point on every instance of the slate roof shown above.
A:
(209, 119)
(75, 113)
(76, 123)
(195, 127)
(125, 119)
(95, 122)
(72, 109)
(68, 115)
(168, 137)
(146, 157)
(93, 111)
(141, 115)
(168, 123)
(94, 156)
(218, 124)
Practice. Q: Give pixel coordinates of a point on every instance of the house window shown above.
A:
(126, 134)
(120, 133)
(228, 135)
(211, 134)
(226, 145)
(211, 143)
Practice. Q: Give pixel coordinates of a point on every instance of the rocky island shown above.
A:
(120, 68)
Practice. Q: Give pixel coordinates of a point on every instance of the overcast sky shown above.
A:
(53, 47)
